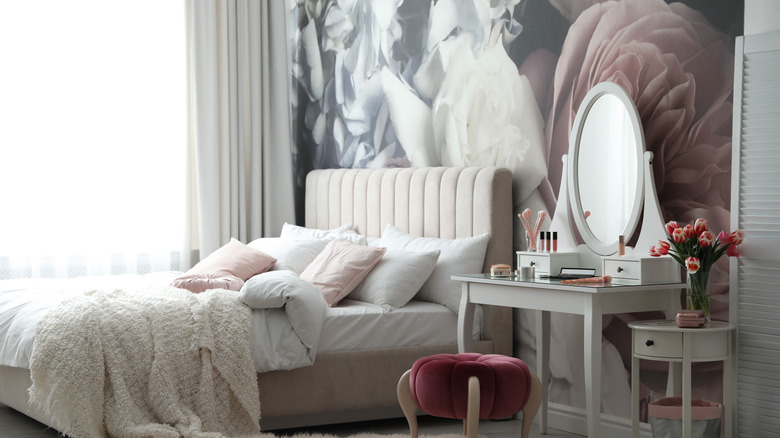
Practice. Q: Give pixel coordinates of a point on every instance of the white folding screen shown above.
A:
(755, 209)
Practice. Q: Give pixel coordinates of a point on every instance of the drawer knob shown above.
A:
(532, 263)
(649, 342)
(619, 269)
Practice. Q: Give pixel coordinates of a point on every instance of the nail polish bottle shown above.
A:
(542, 242)
(554, 241)
(549, 241)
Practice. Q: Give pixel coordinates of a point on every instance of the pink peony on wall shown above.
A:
(471, 82)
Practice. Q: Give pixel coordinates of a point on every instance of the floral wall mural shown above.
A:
(379, 83)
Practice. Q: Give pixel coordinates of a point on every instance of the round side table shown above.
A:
(662, 340)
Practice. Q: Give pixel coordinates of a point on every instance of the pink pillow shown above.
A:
(236, 259)
(197, 283)
(340, 267)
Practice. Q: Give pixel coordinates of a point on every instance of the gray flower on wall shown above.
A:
(393, 83)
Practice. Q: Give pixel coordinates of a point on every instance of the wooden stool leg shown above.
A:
(532, 406)
(472, 410)
(407, 403)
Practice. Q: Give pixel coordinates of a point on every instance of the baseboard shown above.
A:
(573, 420)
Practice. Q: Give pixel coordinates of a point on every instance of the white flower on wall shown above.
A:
(485, 114)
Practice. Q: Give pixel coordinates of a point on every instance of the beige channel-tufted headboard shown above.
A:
(445, 202)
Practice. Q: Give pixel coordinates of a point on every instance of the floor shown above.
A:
(15, 425)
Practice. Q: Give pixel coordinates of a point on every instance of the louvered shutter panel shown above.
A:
(755, 209)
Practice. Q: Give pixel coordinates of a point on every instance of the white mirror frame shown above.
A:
(595, 244)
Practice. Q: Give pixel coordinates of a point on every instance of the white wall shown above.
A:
(761, 16)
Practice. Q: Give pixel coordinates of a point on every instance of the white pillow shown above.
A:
(458, 256)
(303, 304)
(344, 232)
(396, 279)
(290, 255)
(340, 267)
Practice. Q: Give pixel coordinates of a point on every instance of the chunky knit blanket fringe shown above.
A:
(150, 363)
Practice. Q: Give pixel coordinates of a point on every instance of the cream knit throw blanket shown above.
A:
(152, 363)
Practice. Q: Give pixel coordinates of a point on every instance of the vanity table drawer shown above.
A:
(541, 263)
(547, 263)
(645, 269)
(623, 268)
(658, 344)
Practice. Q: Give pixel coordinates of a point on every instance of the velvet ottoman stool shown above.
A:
(469, 387)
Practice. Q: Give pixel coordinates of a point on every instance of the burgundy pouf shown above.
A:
(439, 384)
(470, 387)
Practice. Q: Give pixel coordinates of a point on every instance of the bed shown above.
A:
(356, 379)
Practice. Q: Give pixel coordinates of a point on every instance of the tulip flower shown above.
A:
(723, 237)
(654, 251)
(706, 239)
(671, 226)
(692, 264)
(736, 237)
(700, 226)
(679, 235)
(662, 247)
(689, 231)
(732, 251)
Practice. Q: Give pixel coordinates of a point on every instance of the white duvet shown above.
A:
(287, 315)
(102, 346)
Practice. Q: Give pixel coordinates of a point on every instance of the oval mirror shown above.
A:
(605, 172)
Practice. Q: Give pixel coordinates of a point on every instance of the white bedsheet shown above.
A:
(352, 325)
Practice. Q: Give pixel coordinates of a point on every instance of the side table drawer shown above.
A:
(658, 344)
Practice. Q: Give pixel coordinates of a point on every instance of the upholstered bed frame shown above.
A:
(361, 385)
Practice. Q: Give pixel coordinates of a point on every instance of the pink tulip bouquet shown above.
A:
(696, 248)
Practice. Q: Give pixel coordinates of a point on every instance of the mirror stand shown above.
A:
(653, 228)
(561, 220)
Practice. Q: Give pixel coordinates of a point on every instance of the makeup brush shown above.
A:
(525, 217)
(539, 220)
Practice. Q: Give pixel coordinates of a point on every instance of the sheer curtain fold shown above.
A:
(240, 163)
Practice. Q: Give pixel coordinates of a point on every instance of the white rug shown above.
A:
(358, 435)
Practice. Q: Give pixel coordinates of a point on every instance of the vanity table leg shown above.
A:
(465, 320)
(592, 341)
(543, 363)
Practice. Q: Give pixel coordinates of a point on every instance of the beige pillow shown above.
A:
(340, 267)
(236, 259)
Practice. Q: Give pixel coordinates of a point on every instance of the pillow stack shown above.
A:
(395, 269)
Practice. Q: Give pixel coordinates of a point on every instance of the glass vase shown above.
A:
(698, 295)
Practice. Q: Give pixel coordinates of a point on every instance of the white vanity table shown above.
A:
(548, 296)
(606, 190)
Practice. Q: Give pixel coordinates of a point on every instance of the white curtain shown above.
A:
(240, 178)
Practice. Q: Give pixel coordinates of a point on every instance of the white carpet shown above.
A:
(358, 435)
